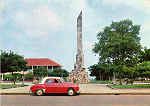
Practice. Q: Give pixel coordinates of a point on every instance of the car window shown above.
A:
(49, 81)
(62, 80)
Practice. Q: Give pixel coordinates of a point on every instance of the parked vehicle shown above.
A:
(54, 85)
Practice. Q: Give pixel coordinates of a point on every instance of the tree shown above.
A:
(12, 62)
(29, 76)
(16, 77)
(119, 45)
(144, 69)
(40, 72)
(101, 71)
(145, 55)
(58, 72)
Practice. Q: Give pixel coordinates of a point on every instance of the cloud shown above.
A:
(1, 10)
(78, 5)
(145, 31)
(38, 21)
(1, 5)
(138, 4)
(47, 16)
(1, 21)
(146, 26)
(146, 5)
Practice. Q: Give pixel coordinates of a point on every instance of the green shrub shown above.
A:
(29, 76)
(131, 86)
(100, 81)
(15, 76)
(0, 78)
(8, 77)
(7, 86)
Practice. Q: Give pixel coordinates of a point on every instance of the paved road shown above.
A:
(86, 88)
(61, 100)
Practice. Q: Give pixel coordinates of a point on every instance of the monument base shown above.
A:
(78, 75)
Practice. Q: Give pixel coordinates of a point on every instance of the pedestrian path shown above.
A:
(94, 88)
(103, 88)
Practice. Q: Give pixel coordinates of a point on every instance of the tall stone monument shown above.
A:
(79, 74)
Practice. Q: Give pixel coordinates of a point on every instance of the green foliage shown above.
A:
(16, 76)
(13, 77)
(58, 72)
(100, 81)
(119, 43)
(144, 69)
(131, 86)
(8, 77)
(7, 86)
(102, 70)
(40, 72)
(122, 71)
(12, 62)
(96, 68)
(29, 76)
(145, 55)
(118, 48)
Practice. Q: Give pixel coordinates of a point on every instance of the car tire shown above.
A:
(71, 92)
(39, 92)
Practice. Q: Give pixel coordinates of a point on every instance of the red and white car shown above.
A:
(54, 85)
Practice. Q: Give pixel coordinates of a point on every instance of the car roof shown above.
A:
(52, 77)
(44, 79)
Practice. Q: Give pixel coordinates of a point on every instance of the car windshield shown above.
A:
(62, 80)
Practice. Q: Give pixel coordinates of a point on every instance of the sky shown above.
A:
(48, 28)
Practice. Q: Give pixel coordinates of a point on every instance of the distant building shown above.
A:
(35, 63)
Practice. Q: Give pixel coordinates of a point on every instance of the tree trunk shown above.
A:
(120, 81)
(99, 75)
(114, 78)
(109, 76)
(13, 79)
(23, 79)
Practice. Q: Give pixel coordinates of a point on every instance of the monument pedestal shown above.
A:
(78, 75)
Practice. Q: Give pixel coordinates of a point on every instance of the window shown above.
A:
(49, 81)
(56, 81)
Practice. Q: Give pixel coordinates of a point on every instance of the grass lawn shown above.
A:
(131, 86)
(99, 82)
(7, 86)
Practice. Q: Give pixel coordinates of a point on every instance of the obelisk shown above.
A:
(79, 74)
(79, 57)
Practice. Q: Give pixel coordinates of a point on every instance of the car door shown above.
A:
(50, 86)
(59, 86)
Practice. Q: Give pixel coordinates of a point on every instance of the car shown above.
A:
(54, 85)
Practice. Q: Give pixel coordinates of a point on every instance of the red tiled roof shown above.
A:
(41, 62)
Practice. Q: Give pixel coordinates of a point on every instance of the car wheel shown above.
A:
(39, 92)
(71, 92)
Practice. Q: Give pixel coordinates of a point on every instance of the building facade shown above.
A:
(34, 63)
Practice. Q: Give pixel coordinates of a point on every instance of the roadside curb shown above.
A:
(14, 94)
(84, 94)
(115, 94)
